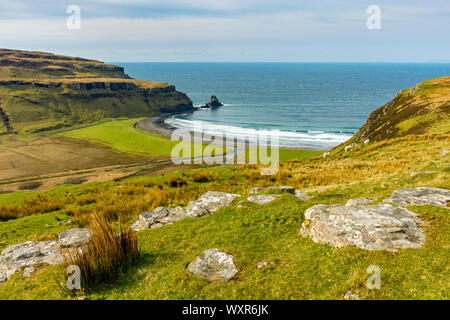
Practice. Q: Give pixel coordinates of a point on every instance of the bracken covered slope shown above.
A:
(41, 91)
(419, 110)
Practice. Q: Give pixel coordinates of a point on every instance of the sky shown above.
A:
(231, 30)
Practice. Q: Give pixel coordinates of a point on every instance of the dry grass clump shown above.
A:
(39, 204)
(106, 257)
(175, 182)
(200, 176)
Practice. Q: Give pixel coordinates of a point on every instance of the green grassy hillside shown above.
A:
(419, 110)
(41, 91)
(301, 269)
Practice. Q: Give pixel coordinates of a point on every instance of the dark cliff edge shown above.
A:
(41, 91)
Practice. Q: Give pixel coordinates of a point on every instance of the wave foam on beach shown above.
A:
(319, 140)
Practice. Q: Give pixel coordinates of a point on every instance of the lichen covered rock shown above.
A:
(420, 196)
(372, 227)
(213, 265)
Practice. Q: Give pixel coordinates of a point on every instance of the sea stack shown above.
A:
(213, 103)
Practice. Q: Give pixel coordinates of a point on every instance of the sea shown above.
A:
(309, 105)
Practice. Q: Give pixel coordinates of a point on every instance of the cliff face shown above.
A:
(41, 91)
(419, 110)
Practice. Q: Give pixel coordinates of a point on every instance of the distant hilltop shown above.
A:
(42, 91)
(425, 108)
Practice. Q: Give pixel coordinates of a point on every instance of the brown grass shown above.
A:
(106, 257)
(200, 176)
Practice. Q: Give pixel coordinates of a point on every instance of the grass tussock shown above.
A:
(106, 257)
(200, 176)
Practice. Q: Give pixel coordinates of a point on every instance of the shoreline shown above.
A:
(157, 125)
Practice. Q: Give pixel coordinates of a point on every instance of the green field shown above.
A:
(123, 136)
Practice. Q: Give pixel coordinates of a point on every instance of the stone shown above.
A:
(28, 254)
(360, 201)
(27, 272)
(148, 219)
(74, 238)
(366, 142)
(371, 227)
(302, 196)
(263, 198)
(263, 264)
(282, 189)
(348, 148)
(208, 203)
(420, 196)
(326, 155)
(213, 265)
(351, 296)
(415, 173)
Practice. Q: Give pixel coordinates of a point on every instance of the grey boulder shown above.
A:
(74, 238)
(372, 227)
(420, 196)
(263, 198)
(360, 201)
(213, 265)
(208, 203)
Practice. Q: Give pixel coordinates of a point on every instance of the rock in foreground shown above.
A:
(359, 201)
(28, 254)
(208, 203)
(420, 196)
(283, 189)
(373, 227)
(74, 237)
(263, 198)
(31, 253)
(213, 265)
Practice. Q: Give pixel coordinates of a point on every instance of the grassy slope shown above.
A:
(419, 110)
(302, 269)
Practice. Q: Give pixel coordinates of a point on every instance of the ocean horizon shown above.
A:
(311, 105)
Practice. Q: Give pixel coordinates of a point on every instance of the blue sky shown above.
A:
(232, 30)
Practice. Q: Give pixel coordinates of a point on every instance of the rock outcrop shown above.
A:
(360, 201)
(263, 198)
(213, 265)
(28, 254)
(31, 253)
(371, 227)
(213, 103)
(420, 196)
(74, 238)
(208, 203)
